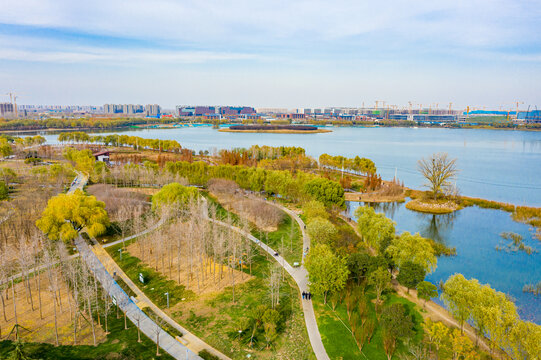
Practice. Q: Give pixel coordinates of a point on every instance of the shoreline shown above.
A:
(167, 126)
(318, 131)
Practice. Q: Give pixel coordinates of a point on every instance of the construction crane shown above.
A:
(13, 100)
(518, 103)
(450, 107)
(382, 104)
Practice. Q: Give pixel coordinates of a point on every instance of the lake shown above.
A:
(496, 165)
(475, 233)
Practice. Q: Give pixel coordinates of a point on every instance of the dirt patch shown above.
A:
(266, 217)
(145, 191)
(42, 328)
(217, 276)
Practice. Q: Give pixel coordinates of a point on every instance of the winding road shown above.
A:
(299, 274)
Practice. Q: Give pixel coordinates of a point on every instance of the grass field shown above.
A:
(336, 334)
(216, 319)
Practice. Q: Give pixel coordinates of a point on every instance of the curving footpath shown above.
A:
(299, 274)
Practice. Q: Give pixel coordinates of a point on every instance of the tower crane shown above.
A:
(450, 107)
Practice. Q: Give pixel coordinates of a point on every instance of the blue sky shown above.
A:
(272, 53)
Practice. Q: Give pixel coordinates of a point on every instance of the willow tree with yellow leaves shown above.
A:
(67, 214)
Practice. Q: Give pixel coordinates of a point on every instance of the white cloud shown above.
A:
(459, 22)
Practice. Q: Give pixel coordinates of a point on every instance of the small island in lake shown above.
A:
(290, 129)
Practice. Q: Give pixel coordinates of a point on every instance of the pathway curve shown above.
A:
(299, 274)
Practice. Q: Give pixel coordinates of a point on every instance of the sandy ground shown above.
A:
(42, 330)
(206, 285)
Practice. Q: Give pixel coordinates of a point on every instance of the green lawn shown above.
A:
(215, 318)
(338, 340)
(120, 344)
(290, 232)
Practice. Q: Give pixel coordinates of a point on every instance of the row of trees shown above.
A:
(296, 187)
(494, 315)
(88, 123)
(357, 164)
(64, 282)
(120, 140)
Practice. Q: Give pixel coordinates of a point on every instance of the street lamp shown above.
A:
(120, 251)
(167, 294)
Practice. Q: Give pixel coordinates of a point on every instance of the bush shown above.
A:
(3, 191)
(207, 356)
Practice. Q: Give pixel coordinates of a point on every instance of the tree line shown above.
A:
(138, 143)
(357, 164)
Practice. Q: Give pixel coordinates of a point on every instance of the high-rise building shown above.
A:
(152, 110)
(6, 109)
(128, 109)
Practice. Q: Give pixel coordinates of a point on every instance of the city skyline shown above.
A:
(291, 54)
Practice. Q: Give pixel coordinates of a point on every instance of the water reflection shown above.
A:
(436, 227)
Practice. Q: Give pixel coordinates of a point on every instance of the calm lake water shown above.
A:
(475, 233)
(495, 164)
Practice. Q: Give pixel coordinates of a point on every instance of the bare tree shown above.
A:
(439, 170)
(138, 316)
(158, 321)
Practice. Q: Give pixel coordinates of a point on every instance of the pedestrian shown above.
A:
(309, 296)
(303, 294)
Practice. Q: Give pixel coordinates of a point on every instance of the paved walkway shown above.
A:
(299, 274)
(194, 343)
(133, 312)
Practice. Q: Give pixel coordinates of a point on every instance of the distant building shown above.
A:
(533, 116)
(102, 156)
(6, 109)
(152, 110)
(127, 109)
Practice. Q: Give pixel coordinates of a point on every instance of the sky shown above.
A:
(292, 54)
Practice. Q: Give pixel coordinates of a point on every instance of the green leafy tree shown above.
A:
(313, 209)
(410, 275)
(7, 175)
(415, 249)
(375, 228)
(426, 291)
(326, 271)
(82, 160)
(397, 324)
(173, 194)
(459, 295)
(321, 230)
(326, 191)
(67, 214)
(4, 191)
(380, 279)
(439, 170)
